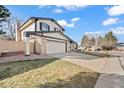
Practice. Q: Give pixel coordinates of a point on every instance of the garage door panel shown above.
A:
(55, 47)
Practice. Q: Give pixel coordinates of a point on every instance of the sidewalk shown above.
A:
(101, 65)
(112, 80)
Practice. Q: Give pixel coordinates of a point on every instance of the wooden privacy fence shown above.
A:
(8, 46)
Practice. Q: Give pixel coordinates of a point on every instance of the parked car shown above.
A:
(98, 49)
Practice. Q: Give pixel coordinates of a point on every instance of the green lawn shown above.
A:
(46, 73)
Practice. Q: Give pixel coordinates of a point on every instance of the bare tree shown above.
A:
(85, 41)
(10, 25)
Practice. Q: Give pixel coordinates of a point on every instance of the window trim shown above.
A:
(47, 27)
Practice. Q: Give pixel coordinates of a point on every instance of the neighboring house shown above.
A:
(120, 46)
(6, 37)
(46, 35)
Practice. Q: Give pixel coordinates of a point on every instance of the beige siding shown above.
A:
(31, 47)
(39, 43)
(68, 46)
(72, 46)
(29, 28)
(18, 35)
(43, 45)
(56, 35)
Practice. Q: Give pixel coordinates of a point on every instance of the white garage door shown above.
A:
(55, 47)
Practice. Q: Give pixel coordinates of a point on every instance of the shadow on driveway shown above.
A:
(74, 55)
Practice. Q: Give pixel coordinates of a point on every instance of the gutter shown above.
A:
(28, 33)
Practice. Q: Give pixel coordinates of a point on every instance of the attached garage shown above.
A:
(54, 46)
(46, 35)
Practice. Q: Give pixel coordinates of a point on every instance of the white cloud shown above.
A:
(106, 8)
(64, 8)
(110, 21)
(65, 23)
(72, 7)
(116, 10)
(57, 11)
(75, 19)
(71, 25)
(118, 31)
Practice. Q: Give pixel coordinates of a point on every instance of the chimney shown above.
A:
(18, 33)
(18, 23)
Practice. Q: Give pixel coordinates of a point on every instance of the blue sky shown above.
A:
(78, 20)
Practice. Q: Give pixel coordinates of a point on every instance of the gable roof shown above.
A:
(39, 33)
(120, 44)
(42, 18)
(61, 34)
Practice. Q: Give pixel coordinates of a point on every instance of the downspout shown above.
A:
(35, 32)
(66, 47)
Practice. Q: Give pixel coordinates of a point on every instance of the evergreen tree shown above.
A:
(1, 32)
(4, 13)
(109, 40)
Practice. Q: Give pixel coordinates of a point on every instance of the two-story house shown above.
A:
(46, 35)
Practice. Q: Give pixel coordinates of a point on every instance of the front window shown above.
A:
(44, 27)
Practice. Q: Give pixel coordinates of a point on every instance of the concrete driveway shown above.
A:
(101, 65)
(112, 73)
(74, 55)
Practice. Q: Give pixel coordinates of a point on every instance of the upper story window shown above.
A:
(44, 27)
(56, 29)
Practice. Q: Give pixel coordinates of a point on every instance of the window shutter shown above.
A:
(55, 29)
(41, 26)
(48, 28)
